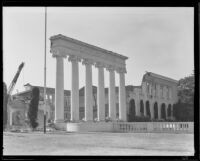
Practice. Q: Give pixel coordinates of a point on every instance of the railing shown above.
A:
(158, 127)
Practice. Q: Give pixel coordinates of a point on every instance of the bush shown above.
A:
(183, 112)
(140, 119)
(108, 119)
(33, 107)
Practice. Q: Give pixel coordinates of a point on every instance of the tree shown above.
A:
(183, 112)
(5, 102)
(186, 90)
(184, 109)
(33, 107)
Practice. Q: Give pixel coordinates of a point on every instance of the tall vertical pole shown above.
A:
(45, 70)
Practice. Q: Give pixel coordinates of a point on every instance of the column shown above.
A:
(75, 88)
(152, 109)
(137, 105)
(59, 91)
(122, 94)
(137, 102)
(10, 115)
(150, 89)
(170, 93)
(164, 92)
(112, 102)
(100, 93)
(88, 90)
(158, 91)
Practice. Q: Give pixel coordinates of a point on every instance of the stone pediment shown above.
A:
(65, 46)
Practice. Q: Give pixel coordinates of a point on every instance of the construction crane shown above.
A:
(7, 94)
(12, 85)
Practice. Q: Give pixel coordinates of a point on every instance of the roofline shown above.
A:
(86, 44)
(162, 77)
(21, 92)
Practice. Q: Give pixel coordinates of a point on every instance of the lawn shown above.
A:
(65, 143)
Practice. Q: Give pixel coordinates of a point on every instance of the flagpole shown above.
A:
(45, 71)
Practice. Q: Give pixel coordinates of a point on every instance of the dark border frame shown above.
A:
(124, 3)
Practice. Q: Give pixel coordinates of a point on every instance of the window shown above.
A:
(147, 87)
(167, 92)
(155, 90)
(162, 91)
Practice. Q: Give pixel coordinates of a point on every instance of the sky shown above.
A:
(155, 39)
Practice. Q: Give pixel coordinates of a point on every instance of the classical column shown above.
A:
(152, 110)
(164, 92)
(137, 102)
(170, 93)
(88, 90)
(122, 94)
(158, 91)
(75, 88)
(137, 105)
(112, 102)
(10, 116)
(59, 91)
(100, 92)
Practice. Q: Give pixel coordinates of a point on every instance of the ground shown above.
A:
(65, 143)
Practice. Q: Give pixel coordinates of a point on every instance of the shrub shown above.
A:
(33, 107)
(140, 119)
(108, 119)
(119, 120)
(183, 112)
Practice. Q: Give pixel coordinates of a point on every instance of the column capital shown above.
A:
(57, 53)
(99, 65)
(74, 58)
(87, 61)
(121, 70)
(110, 68)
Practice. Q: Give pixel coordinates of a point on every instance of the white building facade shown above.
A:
(155, 97)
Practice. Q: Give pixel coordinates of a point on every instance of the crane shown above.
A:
(7, 93)
(12, 85)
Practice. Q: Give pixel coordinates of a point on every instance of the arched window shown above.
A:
(148, 109)
(169, 110)
(172, 110)
(131, 110)
(156, 110)
(163, 112)
(142, 107)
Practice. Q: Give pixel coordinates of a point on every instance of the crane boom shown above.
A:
(12, 85)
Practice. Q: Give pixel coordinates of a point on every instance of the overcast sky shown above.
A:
(158, 40)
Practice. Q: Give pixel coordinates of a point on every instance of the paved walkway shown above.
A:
(65, 143)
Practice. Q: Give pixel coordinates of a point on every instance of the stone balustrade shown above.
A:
(155, 127)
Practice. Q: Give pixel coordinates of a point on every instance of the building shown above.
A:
(155, 98)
